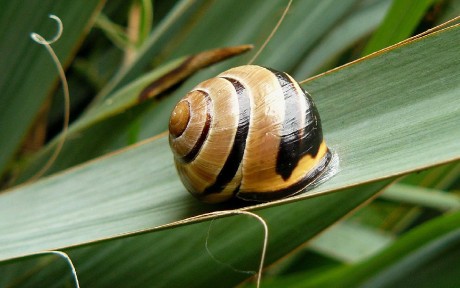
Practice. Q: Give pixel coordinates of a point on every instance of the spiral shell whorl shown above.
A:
(250, 131)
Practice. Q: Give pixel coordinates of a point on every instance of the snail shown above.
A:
(251, 133)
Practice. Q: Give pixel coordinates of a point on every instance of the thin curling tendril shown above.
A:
(236, 212)
(40, 40)
(65, 87)
(271, 34)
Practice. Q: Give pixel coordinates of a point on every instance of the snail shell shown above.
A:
(251, 132)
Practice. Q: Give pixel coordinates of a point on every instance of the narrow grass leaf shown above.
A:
(400, 22)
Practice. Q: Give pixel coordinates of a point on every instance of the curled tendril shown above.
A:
(65, 87)
(40, 40)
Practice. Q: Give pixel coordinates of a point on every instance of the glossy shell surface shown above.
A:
(251, 132)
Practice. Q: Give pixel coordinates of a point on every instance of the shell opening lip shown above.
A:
(180, 118)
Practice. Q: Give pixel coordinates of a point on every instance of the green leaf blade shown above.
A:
(400, 22)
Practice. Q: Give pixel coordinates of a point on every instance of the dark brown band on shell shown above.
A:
(299, 136)
(204, 133)
(235, 156)
(308, 181)
(313, 132)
